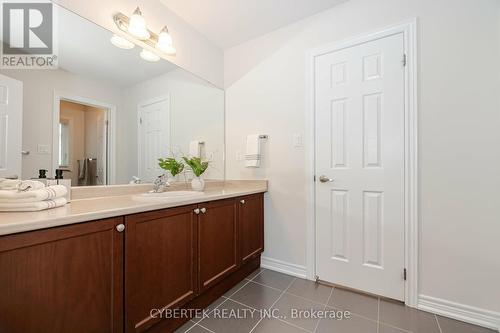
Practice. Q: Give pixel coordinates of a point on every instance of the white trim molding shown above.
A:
(409, 31)
(462, 312)
(283, 267)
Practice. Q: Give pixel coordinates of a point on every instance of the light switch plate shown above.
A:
(42, 149)
(297, 140)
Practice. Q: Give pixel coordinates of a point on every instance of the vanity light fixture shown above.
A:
(137, 25)
(164, 42)
(121, 42)
(149, 56)
(136, 28)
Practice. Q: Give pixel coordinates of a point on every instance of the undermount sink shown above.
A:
(167, 195)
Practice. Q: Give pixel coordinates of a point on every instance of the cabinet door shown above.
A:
(251, 222)
(217, 241)
(160, 264)
(64, 279)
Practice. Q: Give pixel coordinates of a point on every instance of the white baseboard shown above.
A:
(283, 267)
(469, 314)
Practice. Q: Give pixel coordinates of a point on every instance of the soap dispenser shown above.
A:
(65, 182)
(42, 178)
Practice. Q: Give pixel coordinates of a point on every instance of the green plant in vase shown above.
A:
(198, 167)
(171, 165)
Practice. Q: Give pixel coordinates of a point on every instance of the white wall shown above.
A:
(459, 120)
(196, 113)
(195, 52)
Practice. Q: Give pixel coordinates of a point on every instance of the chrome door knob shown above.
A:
(325, 179)
(120, 227)
(203, 210)
(242, 202)
(197, 211)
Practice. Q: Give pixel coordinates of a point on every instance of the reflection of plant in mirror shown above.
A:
(171, 165)
(196, 165)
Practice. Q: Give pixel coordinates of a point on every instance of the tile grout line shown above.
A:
(308, 299)
(437, 321)
(276, 301)
(265, 285)
(324, 308)
(378, 314)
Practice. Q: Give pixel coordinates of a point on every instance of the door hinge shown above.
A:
(404, 274)
(314, 178)
(404, 60)
(140, 121)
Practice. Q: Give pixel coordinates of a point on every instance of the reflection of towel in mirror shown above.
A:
(46, 193)
(32, 206)
(87, 172)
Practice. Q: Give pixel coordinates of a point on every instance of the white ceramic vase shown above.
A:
(198, 183)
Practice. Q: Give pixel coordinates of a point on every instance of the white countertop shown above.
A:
(105, 206)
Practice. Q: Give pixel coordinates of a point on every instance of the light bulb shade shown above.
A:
(137, 26)
(121, 42)
(164, 43)
(149, 56)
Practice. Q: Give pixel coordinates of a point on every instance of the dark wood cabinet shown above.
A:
(251, 225)
(117, 275)
(160, 264)
(218, 250)
(65, 279)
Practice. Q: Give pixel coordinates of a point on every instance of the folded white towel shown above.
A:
(252, 156)
(46, 193)
(32, 206)
(195, 149)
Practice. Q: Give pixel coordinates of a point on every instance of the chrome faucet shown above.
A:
(160, 184)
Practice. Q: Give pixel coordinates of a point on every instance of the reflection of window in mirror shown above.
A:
(63, 143)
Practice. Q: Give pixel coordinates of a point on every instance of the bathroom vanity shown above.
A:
(115, 273)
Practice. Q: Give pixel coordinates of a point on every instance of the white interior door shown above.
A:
(359, 105)
(154, 136)
(11, 126)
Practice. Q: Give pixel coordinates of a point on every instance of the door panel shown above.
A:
(217, 241)
(160, 263)
(52, 279)
(251, 224)
(154, 137)
(359, 98)
(11, 123)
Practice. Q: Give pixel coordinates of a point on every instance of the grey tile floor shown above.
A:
(266, 289)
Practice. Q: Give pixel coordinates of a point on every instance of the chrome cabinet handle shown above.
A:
(242, 201)
(120, 227)
(203, 210)
(325, 179)
(197, 211)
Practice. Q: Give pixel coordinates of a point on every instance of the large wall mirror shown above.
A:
(106, 115)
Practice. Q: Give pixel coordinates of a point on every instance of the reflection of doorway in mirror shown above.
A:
(82, 140)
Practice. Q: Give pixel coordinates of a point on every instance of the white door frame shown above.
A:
(111, 139)
(139, 138)
(409, 31)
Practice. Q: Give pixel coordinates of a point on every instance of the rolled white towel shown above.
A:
(30, 185)
(46, 193)
(32, 206)
(9, 184)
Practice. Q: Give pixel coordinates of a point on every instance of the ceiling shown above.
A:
(84, 49)
(231, 22)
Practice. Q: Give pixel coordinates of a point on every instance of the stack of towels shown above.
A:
(30, 195)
